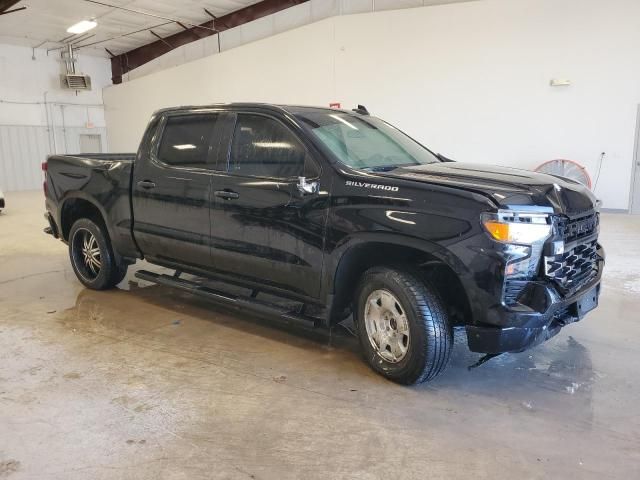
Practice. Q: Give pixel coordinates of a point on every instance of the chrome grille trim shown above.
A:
(574, 268)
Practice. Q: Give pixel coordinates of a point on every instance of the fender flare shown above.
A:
(440, 253)
(80, 195)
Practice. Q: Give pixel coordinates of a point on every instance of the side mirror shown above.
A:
(307, 188)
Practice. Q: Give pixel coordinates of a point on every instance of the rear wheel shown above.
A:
(92, 257)
(402, 325)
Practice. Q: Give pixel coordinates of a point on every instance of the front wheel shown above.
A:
(92, 257)
(402, 325)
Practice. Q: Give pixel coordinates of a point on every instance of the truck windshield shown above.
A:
(366, 143)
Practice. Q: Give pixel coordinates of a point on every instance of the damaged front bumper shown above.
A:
(540, 316)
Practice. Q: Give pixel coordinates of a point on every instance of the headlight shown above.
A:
(517, 227)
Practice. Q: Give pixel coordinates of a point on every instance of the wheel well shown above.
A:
(75, 209)
(359, 259)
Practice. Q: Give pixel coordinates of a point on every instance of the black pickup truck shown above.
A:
(313, 214)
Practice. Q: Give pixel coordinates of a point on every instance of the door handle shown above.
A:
(146, 184)
(226, 194)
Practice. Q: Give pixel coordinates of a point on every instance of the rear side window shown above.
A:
(187, 139)
(263, 147)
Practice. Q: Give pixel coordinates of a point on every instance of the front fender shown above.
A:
(430, 248)
(363, 250)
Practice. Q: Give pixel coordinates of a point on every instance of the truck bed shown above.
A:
(102, 179)
(127, 157)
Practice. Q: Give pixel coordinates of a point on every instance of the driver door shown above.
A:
(264, 227)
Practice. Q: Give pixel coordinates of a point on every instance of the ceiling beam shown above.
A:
(7, 4)
(13, 10)
(160, 38)
(127, 61)
(215, 19)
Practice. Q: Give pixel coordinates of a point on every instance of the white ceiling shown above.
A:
(45, 22)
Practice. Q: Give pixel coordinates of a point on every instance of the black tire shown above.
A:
(430, 340)
(111, 271)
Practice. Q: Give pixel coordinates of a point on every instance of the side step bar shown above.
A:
(289, 317)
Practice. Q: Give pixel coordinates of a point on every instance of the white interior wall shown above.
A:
(471, 80)
(30, 129)
(282, 21)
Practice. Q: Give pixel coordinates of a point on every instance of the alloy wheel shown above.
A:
(387, 325)
(86, 253)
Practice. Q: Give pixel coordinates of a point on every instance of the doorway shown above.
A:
(90, 143)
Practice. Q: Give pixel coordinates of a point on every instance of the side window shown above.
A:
(186, 140)
(263, 147)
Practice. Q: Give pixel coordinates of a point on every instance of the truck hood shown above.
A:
(507, 187)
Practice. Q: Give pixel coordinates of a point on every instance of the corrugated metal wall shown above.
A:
(23, 148)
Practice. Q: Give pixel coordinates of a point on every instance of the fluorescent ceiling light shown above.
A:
(83, 26)
(186, 146)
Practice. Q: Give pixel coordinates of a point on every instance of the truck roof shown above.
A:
(291, 109)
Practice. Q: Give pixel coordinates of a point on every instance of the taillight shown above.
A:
(44, 167)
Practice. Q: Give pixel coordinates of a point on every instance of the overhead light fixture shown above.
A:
(83, 26)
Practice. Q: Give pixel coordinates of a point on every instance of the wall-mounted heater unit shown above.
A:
(76, 82)
(72, 80)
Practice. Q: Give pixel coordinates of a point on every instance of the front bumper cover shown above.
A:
(518, 329)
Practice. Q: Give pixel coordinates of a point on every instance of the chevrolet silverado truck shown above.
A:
(314, 214)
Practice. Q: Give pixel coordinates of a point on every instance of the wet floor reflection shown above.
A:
(166, 359)
(555, 377)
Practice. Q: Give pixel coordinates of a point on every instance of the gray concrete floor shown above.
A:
(146, 382)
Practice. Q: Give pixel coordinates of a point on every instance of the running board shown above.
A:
(290, 317)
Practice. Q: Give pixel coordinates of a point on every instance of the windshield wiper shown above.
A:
(381, 168)
(388, 168)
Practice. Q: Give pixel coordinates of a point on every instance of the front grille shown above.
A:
(569, 271)
(577, 228)
(574, 268)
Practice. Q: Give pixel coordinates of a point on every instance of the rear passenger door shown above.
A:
(264, 227)
(172, 190)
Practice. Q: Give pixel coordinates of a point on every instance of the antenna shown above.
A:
(362, 110)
